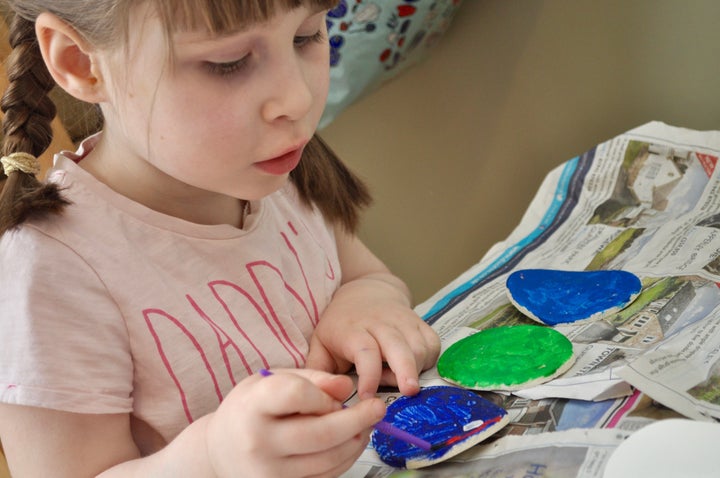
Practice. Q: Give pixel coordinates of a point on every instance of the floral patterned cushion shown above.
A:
(371, 41)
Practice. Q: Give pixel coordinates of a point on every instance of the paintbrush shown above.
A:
(387, 428)
(470, 429)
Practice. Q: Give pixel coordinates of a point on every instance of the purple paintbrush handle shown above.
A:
(389, 429)
(384, 427)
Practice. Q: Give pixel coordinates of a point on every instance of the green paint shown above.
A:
(502, 357)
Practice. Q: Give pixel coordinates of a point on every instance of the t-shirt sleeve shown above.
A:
(64, 341)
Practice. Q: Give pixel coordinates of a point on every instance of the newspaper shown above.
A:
(555, 437)
(647, 201)
(568, 454)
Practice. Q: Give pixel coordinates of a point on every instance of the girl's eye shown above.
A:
(230, 67)
(226, 68)
(301, 41)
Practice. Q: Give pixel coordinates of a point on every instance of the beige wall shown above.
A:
(455, 148)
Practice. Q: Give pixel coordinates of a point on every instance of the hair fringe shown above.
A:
(219, 17)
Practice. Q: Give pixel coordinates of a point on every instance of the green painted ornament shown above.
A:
(507, 358)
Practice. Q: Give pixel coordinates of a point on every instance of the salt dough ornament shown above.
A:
(507, 358)
(555, 297)
(452, 419)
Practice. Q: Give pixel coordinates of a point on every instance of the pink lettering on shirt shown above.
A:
(265, 304)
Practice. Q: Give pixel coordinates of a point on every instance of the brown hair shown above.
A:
(321, 178)
(26, 128)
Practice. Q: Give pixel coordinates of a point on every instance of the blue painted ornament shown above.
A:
(554, 297)
(452, 419)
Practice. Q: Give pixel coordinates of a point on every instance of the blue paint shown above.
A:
(559, 297)
(436, 414)
(559, 199)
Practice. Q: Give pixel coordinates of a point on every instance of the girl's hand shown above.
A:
(369, 323)
(290, 424)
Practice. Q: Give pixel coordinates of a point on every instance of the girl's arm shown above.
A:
(369, 323)
(291, 424)
(43, 442)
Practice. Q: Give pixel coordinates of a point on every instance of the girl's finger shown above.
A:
(368, 366)
(290, 393)
(307, 434)
(343, 460)
(401, 359)
(432, 345)
(326, 463)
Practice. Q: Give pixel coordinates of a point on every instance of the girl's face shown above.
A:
(229, 116)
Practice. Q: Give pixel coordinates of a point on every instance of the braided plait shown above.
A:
(28, 112)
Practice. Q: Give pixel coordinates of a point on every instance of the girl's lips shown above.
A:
(282, 164)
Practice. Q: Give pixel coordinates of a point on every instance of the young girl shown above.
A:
(170, 258)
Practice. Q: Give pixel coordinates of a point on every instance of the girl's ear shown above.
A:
(70, 58)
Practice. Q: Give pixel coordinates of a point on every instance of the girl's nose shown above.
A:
(289, 92)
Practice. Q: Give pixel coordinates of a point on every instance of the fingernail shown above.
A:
(367, 395)
(413, 382)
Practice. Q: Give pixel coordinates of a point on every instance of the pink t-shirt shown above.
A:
(114, 308)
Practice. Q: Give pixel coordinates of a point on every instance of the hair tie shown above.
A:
(24, 162)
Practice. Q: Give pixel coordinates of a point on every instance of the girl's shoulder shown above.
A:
(48, 292)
